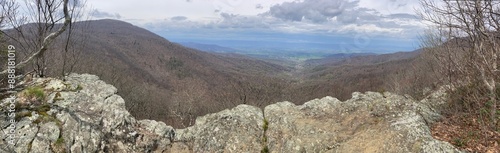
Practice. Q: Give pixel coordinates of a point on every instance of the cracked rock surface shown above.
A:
(84, 114)
(370, 122)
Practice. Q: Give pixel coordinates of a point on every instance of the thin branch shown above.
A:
(47, 40)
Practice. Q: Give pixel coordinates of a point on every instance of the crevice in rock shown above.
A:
(107, 97)
(60, 142)
(265, 126)
(31, 144)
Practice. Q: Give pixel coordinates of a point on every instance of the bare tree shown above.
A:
(466, 43)
(45, 16)
(186, 103)
(71, 46)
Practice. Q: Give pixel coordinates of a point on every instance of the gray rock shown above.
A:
(55, 85)
(49, 132)
(86, 115)
(158, 128)
(302, 128)
(370, 122)
(92, 118)
(47, 135)
(26, 132)
(235, 130)
(430, 106)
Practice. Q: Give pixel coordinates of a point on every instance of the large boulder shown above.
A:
(370, 122)
(81, 114)
(232, 130)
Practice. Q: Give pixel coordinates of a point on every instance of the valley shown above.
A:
(168, 82)
(250, 76)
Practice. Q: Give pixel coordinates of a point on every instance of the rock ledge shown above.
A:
(84, 114)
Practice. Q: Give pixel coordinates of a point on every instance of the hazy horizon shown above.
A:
(337, 26)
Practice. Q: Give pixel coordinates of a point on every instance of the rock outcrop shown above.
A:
(84, 114)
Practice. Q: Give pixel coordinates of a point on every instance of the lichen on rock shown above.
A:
(84, 114)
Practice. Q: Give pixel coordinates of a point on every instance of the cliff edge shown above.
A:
(84, 114)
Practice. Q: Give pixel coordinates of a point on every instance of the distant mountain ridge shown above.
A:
(209, 47)
(363, 58)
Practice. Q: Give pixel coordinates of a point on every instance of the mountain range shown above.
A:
(176, 82)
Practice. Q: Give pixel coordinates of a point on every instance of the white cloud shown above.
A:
(311, 10)
(388, 7)
(385, 17)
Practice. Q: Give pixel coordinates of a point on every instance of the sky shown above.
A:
(337, 26)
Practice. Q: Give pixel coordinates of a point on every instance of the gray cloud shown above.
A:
(259, 6)
(101, 14)
(309, 16)
(313, 10)
(178, 18)
(403, 16)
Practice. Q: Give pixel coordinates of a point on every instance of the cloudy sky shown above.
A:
(316, 25)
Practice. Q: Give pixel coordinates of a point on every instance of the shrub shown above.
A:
(174, 63)
(36, 93)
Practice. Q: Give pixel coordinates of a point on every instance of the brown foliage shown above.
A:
(164, 81)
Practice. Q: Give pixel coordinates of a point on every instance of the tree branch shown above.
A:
(47, 40)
